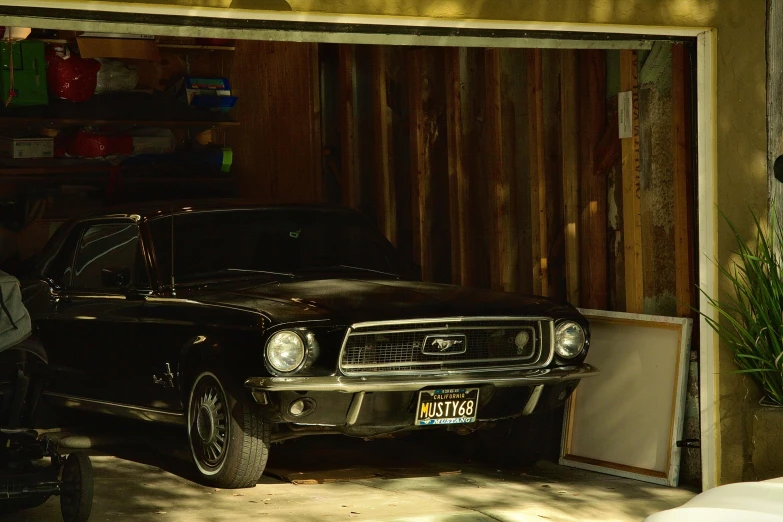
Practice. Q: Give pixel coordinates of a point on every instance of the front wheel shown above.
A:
(229, 438)
(77, 488)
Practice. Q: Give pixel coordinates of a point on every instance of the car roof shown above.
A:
(167, 208)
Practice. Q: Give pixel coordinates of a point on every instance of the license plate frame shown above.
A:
(440, 402)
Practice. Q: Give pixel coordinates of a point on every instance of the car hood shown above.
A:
(347, 301)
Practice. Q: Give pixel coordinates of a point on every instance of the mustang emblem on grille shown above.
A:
(444, 344)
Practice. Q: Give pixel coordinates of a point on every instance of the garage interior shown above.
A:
(498, 168)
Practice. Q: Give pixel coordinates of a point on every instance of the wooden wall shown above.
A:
(495, 168)
(277, 147)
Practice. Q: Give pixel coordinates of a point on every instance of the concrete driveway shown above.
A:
(353, 479)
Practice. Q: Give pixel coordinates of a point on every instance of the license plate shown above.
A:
(447, 406)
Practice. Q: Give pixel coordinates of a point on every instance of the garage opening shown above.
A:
(561, 172)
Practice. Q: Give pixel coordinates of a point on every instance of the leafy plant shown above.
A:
(750, 321)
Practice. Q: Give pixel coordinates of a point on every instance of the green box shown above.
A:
(29, 74)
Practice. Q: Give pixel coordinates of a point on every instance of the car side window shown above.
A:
(59, 266)
(109, 249)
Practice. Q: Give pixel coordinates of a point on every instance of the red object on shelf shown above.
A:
(71, 77)
(83, 144)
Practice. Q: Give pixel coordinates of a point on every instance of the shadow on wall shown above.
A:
(602, 11)
(606, 11)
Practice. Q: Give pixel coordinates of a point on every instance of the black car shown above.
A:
(250, 325)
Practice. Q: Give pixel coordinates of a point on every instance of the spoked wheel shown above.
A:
(76, 491)
(229, 437)
(208, 414)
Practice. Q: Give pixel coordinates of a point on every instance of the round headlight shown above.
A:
(569, 340)
(285, 351)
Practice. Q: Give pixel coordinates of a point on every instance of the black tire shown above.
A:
(12, 505)
(76, 492)
(510, 443)
(229, 451)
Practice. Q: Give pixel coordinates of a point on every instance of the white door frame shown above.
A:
(312, 27)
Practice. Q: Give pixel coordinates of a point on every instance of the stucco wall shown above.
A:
(741, 115)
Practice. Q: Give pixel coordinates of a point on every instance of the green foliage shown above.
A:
(750, 321)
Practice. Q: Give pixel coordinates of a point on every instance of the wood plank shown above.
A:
(386, 185)
(350, 180)
(399, 152)
(538, 196)
(43, 170)
(593, 187)
(681, 143)
(610, 165)
(316, 144)
(555, 215)
(280, 137)
(570, 158)
(196, 47)
(420, 165)
(459, 182)
(21, 121)
(516, 163)
(503, 250)
(632, 219)
(438, 203)
(100, 180)
(473, 123)
(647, 194)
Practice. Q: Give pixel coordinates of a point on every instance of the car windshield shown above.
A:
(270, 242)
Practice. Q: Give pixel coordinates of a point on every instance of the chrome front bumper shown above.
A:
(344, 384)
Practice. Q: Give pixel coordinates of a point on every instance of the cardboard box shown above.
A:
(29, 78)
(23, 148)
(128, 48)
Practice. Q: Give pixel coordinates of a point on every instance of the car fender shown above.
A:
(232, 355)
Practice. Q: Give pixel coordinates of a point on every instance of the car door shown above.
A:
(91, 332)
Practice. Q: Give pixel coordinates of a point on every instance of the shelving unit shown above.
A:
(121, 113)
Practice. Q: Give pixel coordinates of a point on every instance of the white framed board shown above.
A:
(627, 420)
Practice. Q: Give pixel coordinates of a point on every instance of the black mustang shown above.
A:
(255, 324)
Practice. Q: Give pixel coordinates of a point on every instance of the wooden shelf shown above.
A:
(194, 47)
(100, 180)
(83, 122)
(161, 45)
(22, 172)
(125, 109)
(191, 181)
(99, 173)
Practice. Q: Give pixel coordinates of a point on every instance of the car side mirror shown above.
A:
(115, 278)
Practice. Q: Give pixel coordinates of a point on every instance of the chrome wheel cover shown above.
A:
(208, 426)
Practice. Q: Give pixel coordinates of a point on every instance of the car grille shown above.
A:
(488, 343)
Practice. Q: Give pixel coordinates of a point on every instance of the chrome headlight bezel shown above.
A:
(565, 347)
(299, 359)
